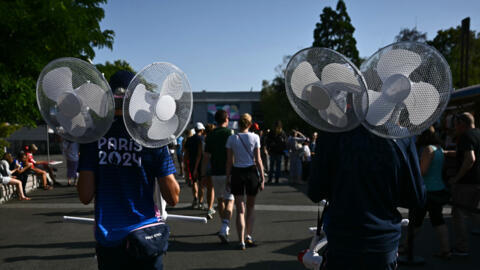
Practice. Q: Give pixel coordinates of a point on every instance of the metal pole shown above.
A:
(48, 146)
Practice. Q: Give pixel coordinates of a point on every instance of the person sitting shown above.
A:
(7, 178)
(38, 165)
(27, 167)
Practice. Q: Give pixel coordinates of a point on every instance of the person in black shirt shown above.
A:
(365, 178)
(466, 183)
(194, 153)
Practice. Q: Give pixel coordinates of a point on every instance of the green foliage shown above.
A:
(448, 43)
(35, 32)
(335, 31)
(5, 131)
(275, 106)
(108, 69)
(411, 35)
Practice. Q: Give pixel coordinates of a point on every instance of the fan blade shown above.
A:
(165, 107)
(422, 102)
(398, 61)
(140, 104)
(302, 76)
(172, 86)
(69, 105)
(334, 115)
(94, 97)
(335, 72)
(318, 96)
(75, 126)
(162, 129)
(379, 109)
(57, 81)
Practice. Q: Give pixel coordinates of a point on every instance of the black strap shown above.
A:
(246, 149)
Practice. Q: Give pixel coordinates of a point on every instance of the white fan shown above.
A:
(409, 86)
(323, 87)
(75, 100)
(157, 105)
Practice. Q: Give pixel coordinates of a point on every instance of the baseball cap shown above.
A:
(199, 126)
(119, 82)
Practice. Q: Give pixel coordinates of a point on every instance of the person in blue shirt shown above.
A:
(120, 174)
(365, 178)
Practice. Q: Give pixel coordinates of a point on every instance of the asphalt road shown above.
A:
(33, 235)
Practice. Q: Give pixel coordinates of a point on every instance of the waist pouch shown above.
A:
(148, 242)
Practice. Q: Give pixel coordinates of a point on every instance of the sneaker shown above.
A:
(250, 242)
(194, 203)
(223, 237)
(227, 230)
(210, 213)
(457, 252)
(241, 246)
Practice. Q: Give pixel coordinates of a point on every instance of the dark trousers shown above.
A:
(344, 260)
(118, 258)
(275, 162)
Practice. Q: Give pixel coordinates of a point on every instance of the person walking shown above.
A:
(71, 151)
(276, 145)
(125, 212)
(364, 178)
(194, 154)
(431, 166)
(216, 155)
(295, 148)
(244, 165)
(466, 183)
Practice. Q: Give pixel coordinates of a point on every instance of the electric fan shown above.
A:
(325, 89)
(409, 86)
(157, 105)
(75, 100)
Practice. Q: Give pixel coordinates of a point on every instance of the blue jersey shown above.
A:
(124, 180)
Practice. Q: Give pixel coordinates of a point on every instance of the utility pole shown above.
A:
(464, 52)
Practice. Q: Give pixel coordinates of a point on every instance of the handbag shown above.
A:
(149, 241)
(251, 155)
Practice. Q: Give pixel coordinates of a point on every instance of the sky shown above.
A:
(227, 45)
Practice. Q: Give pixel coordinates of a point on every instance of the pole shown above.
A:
(48, 146)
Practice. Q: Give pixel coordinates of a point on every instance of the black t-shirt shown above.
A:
(468, 142)
(276, 143)
(191, 145)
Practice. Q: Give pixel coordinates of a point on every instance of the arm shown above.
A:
(426, 160)
(258, 162)
(26, 167)
(205, 160)
(170, 189)
(467, 164)
(86, 186)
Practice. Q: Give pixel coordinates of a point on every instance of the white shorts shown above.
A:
(220, 187)
(5, 179)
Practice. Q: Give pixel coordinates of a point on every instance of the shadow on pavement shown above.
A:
(265, 265)
(48, 258)
(66, 245)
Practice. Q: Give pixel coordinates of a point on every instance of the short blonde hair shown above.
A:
(245, 121)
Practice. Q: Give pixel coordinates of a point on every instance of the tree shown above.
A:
(35, 32)
(108, 69)
(335, 31)
(447, 42)
(411, 35)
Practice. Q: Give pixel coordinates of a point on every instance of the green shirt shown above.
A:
(215, 146)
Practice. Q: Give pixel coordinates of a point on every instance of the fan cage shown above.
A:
(433, 69)
(82, 72)
(153, 76)
(354, 106)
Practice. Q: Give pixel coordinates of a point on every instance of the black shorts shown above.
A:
(244, 180)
